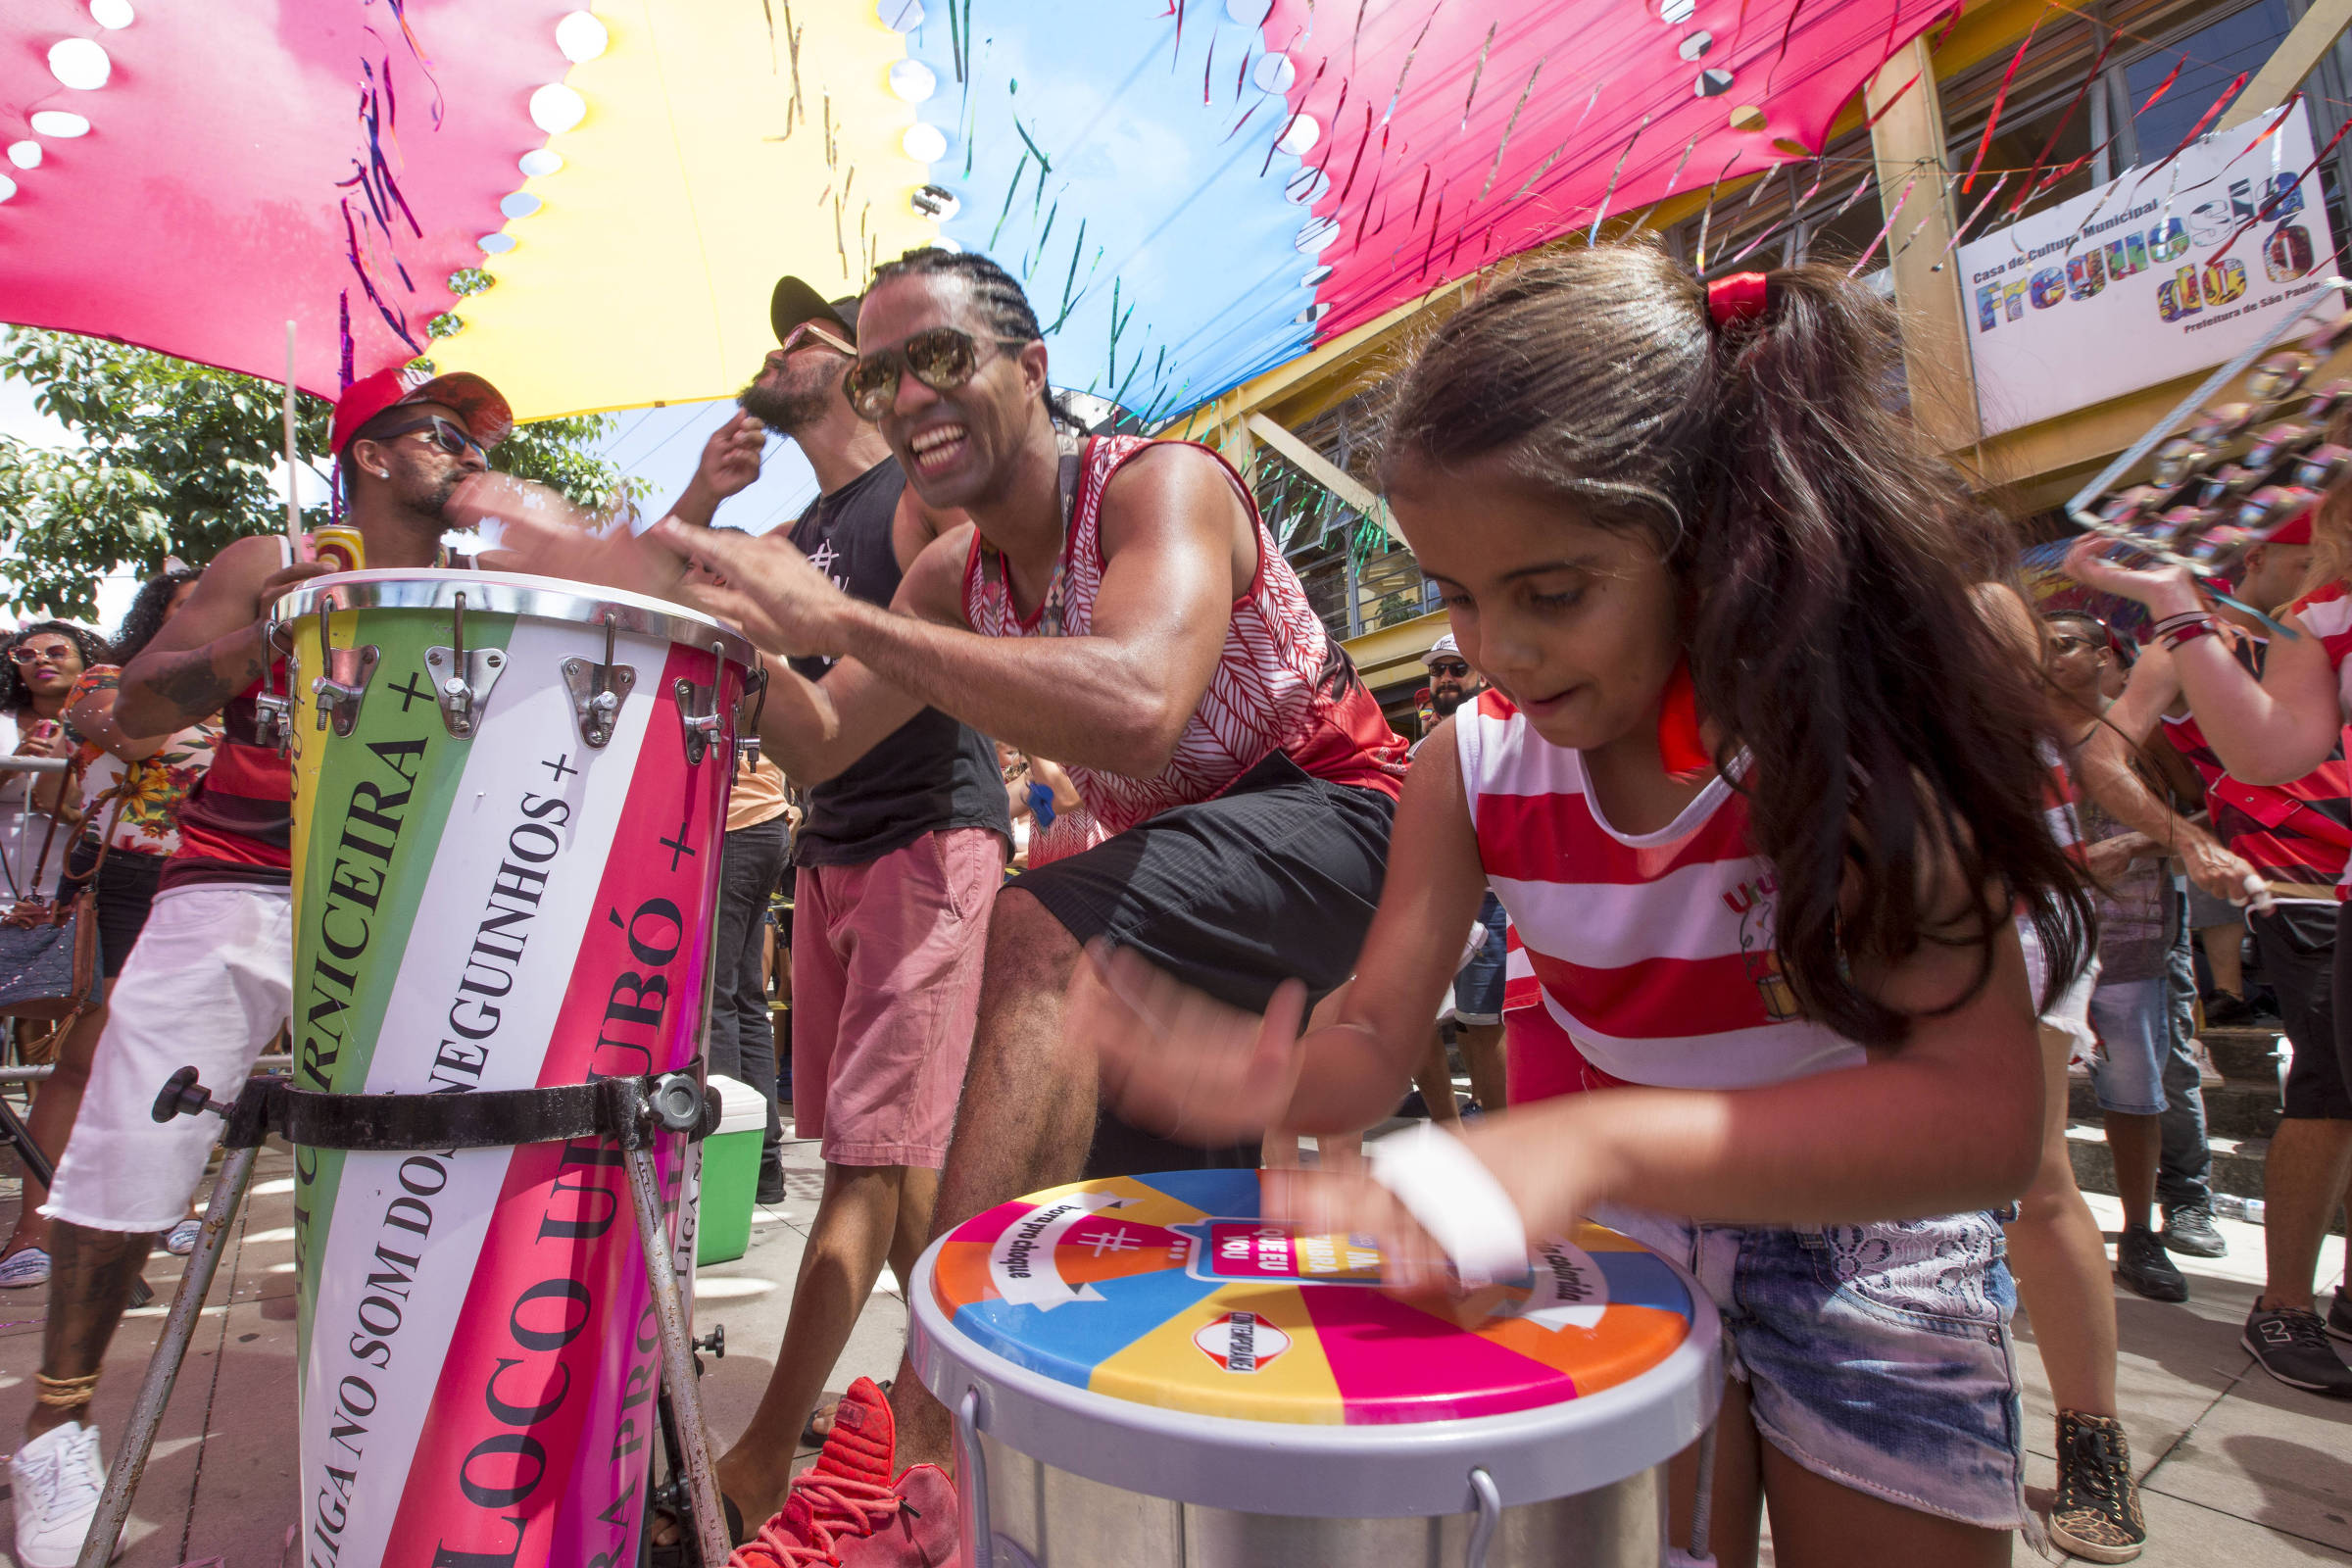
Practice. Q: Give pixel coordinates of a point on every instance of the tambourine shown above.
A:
(2222, 478)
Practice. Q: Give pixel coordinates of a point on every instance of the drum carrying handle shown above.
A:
(971, 1475)
(1488, 1498)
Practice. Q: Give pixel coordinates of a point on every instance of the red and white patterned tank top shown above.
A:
(1655, 950)
(2327, 613)
(1279, 685)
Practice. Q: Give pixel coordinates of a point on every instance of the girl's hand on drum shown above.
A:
(771, 593)
(1338, 1196)
(1177, 1061)
(2165, 590)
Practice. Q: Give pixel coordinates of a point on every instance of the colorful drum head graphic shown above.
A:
(1170, 1290)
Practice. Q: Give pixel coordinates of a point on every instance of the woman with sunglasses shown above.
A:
(142, 829)
(42, 661)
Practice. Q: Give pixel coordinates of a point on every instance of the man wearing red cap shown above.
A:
(209, 980)
(2298, 837)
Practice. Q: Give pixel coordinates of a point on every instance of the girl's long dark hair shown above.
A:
(14, 697)
(1826, 552)
(145, 617)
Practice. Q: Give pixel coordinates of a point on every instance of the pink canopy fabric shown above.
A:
(1452, 134)
(1192, 191)
(205, 207)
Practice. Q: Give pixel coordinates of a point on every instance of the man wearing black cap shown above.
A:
(900, 856)
(211, 978)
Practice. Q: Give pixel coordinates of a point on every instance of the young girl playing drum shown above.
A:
(1759, 789)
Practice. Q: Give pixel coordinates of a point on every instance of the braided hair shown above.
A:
(994, 292)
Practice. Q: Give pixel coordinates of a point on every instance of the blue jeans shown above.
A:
(1878, 1356)
(743, 1042)
(2184, 1169)
(1478, 985)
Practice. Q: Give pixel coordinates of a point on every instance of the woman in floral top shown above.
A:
(154, 777)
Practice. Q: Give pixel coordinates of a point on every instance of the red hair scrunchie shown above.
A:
(1739, 297)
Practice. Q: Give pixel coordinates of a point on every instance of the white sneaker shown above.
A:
(57, 1477)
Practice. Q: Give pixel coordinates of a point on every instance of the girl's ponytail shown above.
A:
(1827, 555)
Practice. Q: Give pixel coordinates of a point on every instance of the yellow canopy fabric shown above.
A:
(694, 181)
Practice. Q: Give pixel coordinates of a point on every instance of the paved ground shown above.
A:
(2240, 1471)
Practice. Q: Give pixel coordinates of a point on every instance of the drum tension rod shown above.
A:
(463, 679)
(347, 673)
(698, 708)
(599, 690)
(273, 723)
(747, 733)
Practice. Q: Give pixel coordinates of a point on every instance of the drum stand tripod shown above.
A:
(633, 1110)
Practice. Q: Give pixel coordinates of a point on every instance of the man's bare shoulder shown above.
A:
(1168, 486)
(933, 585)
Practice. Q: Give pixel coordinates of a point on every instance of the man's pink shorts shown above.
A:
(885, 993)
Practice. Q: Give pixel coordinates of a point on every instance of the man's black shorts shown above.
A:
(2297, 943)
(1275, 879)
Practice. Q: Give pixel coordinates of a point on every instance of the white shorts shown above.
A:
(2070, 1010)
(208, 986)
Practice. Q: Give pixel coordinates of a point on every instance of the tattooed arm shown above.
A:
(214, 648)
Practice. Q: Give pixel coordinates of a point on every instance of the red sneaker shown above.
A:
(921, 1535)
(842, 1498)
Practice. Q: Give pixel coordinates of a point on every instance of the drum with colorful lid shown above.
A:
(1144, 1372)
(508, 794)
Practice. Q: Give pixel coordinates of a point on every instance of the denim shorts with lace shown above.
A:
(1877, 1355)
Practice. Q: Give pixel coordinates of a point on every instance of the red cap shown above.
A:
(2295, 530)
(487, 417)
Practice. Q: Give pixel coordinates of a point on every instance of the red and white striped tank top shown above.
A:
(1280, 685)
(1655, 950)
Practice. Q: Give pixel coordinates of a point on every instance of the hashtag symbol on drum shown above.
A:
(1117, 1241)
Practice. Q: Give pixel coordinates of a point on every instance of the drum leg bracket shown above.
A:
(635, 1111)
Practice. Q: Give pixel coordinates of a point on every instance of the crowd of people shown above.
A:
(1802, 861)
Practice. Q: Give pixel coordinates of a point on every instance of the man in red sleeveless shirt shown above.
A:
(210, 979)
(2297, 836)
(1118, 608)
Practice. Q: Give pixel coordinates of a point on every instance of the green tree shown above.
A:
(174, 459)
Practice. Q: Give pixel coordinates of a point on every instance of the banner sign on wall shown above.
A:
(2127, 286)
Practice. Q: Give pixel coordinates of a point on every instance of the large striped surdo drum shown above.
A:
(508, 794)
(1157, 1378)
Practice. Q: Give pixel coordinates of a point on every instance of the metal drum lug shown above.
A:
(598, 691)
(345, 681)
(339, 690)
(463, 679)
(272, 727)
(698, 717)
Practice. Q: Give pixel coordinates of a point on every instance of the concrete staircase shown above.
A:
(2241, 1111)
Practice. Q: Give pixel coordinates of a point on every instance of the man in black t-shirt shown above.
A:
(899, 859)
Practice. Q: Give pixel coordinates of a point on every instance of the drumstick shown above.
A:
(2258, 893)
(293, 505)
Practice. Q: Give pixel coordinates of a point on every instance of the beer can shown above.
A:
(340, 546)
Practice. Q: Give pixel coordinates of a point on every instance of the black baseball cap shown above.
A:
(795, 301)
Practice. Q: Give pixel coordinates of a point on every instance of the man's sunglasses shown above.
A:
(449, 437)
(1449, 666)
(53, 653)
(807, 332)
(2066, 643)
(942, 359)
